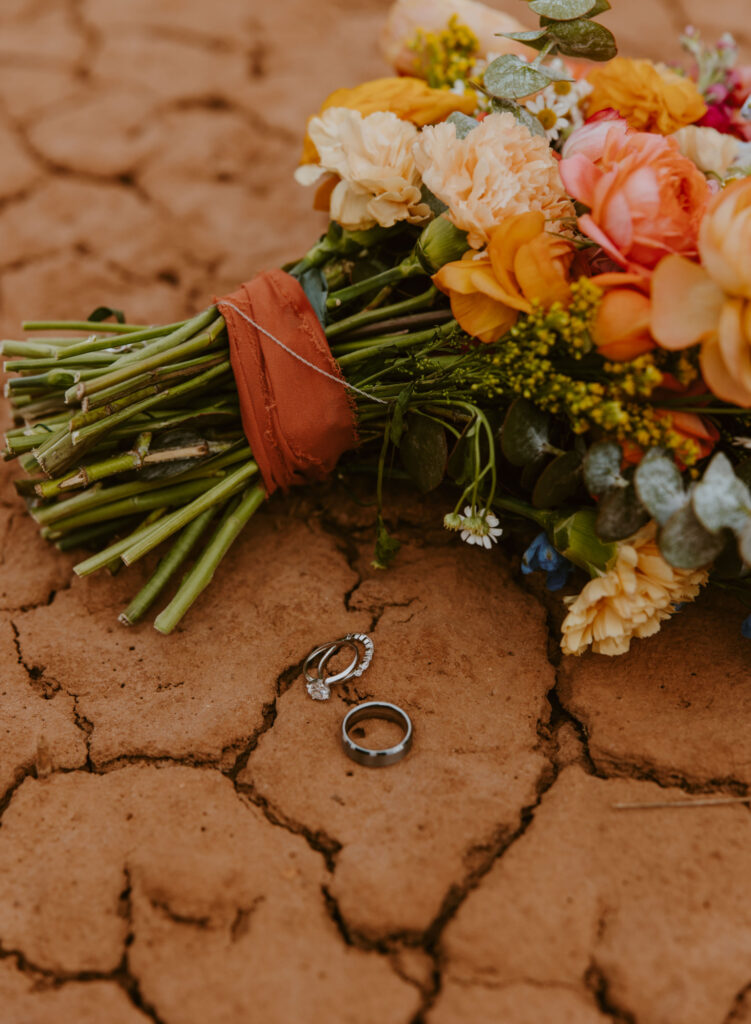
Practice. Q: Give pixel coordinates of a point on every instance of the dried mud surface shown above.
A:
(181, 839)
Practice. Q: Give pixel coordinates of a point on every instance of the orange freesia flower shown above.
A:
(411, 99)
(523, 264)
(621, 330)
(652, 98)
(711, 303)
(646, 199)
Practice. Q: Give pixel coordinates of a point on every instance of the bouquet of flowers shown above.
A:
(535, 284)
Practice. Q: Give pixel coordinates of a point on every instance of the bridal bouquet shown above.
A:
(535, 285)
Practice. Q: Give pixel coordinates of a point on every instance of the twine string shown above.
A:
(301, 359)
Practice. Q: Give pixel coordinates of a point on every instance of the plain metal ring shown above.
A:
(376, 758)
(328, 651)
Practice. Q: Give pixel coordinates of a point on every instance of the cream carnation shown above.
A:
(632, 599)
(380, 183)
(499, 169)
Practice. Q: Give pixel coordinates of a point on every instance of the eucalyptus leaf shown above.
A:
(316, 290)
(659, 485)
(583, 38)
(562, 10)
(602, 468)
(424, 452)
(525, 434)
(532, 471)
(620, 514)
(526, 37)
(559, 481)
(721, 500)
(522, 115)
(464, 125)
(509, 77)
(685, 544)
(599, 8)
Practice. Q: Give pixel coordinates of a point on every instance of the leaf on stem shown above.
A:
(387, 547)
(525, 434)
(584, 39)
(509, 77)
(562, 10)
(659, 485)
(424, 452)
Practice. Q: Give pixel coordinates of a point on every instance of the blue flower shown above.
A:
(541, 556)
(746, 628)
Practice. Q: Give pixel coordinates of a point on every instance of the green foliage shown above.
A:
(509, 77)
(583, 38)
(559, 481)
(525, 434)
(575, 537)
(659, 485)
(602, 468)
(562, 10)
(530, 122)
(424, 452)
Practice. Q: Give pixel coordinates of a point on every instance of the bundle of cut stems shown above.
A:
(132, 438)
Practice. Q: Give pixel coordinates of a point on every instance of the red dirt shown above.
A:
(181, 839)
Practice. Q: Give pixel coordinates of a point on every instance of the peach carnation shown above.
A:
(631, 600)
(499, 169)
(651, 97)
(380, 183)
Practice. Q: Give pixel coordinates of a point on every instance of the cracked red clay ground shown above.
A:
(181, 840)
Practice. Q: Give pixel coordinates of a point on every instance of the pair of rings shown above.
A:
(318, 685)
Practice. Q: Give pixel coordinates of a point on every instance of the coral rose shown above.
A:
(372, 156)
(499, 169)
(411, 99)
(651, 97)
(408, 17)
(646, 200)
(711, 303)
(523, 264)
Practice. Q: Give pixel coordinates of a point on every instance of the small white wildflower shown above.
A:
(452, 521)
(480, 527)
(549, 113)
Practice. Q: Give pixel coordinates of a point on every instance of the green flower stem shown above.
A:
(106, 557)
(145, 502)
(89, 362)
(521, 508)
(166, 569)
(92, 326)
(203, 571)
(88, 534)
(396, 341)
(411, 267)
(144, 361)
(91, 433)
(99, 495)
(135, 337)
(27, 349)
(207, 319)
(414, 321)
(158, 378)
(170, 525)
(351, 323)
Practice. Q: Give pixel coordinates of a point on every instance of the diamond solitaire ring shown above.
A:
(318, 684)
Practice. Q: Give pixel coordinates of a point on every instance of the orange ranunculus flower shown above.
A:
(711, 303)
(646, 199)
(411, 99)
(650, 97)
(522, 264)
(621, 329)
(408, 17)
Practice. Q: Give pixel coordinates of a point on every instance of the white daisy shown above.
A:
(549, 113)
(480, 527)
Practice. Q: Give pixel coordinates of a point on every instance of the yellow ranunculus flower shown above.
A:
(411, 99)
(652, 98)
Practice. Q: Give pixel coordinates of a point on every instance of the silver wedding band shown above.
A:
(388, 755)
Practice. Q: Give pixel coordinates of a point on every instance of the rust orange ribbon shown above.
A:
(297, 422)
